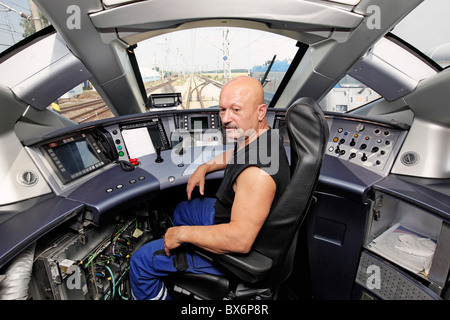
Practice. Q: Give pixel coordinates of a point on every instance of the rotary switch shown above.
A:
(27, 178)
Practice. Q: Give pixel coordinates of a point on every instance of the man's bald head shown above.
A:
(249, 89)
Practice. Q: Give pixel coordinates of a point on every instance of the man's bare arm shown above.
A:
(255, 191)
(198, 177)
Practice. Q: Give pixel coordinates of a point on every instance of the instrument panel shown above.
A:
(369, 144)
(71, 158)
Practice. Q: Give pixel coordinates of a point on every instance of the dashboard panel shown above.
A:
(369, 144)
(72, 158)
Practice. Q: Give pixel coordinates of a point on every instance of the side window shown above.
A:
(82, 104)
(348, 94)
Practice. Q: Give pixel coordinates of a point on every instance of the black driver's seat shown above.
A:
(270, 262)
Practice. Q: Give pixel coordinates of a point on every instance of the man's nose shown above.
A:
(225, 116)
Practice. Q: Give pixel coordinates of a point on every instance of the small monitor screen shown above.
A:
(164, 101)
(199, 122)
(76, 156)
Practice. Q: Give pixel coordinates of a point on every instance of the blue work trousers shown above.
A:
(150, 263)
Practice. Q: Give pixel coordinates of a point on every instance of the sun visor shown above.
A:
(390, 70)
(42, 72)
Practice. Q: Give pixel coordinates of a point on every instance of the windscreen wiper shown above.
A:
(263, 80)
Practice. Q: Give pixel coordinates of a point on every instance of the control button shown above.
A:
(360, 127)
(352, 155)
(340, 130)
(171, 179)
(363, 146)
(375, 149)
(331, 149)
(364, 157)
(132, 181)
(119, 147)
(117, 141)
(335, 139)
(119, 186)
(121, 153)
(141, 178)
(109, 190)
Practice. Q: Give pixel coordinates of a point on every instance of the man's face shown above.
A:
(238, 112)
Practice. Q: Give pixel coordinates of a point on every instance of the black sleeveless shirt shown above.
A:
(266, 152)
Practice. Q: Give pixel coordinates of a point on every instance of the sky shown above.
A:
(426, 32)
(202, 49)
(10, 29)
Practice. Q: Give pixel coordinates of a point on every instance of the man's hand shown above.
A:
(197, 179)
(171, 240)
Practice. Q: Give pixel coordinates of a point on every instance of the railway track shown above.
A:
(196, 87)
(82, 112)
(167, 86)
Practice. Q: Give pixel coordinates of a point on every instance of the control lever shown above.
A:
(180, 140)
(158, 155)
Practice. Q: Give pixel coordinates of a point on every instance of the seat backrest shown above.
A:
(308, 135)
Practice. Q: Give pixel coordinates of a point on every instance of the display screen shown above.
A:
(76, 156)
(199, 123)
(155, 135)
(164, 101)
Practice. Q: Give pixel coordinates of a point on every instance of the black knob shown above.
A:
(352, 143)
(181, 150)
(158, 155)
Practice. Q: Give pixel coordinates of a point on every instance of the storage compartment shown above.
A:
(411, 238)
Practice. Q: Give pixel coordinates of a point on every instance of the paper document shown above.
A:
(405, 247)
(138, 142)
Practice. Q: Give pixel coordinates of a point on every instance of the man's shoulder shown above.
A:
(256, 176)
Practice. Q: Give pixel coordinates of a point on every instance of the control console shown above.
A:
(369, 144)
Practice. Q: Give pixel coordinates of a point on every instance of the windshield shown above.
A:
(427, 28)
(197, 62)
(18, 20)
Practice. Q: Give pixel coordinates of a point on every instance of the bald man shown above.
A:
(231, 221)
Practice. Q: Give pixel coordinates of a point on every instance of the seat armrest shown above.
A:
(250, 267)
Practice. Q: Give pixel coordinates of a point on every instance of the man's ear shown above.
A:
(262, 110)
